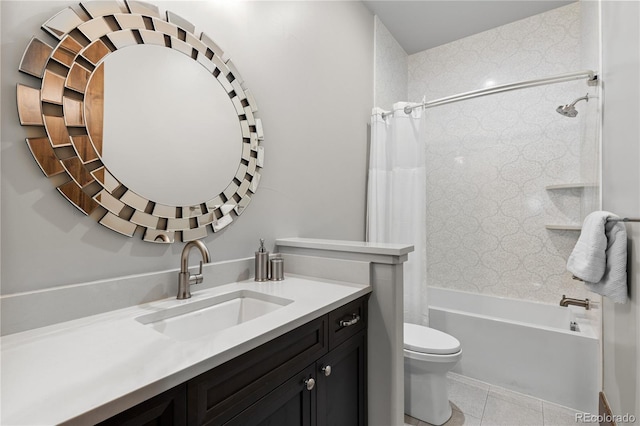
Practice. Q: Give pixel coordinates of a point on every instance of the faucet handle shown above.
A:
(197, 278)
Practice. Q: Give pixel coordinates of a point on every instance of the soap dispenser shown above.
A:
(262, 263)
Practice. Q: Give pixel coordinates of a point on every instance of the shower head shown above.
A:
(570, 109)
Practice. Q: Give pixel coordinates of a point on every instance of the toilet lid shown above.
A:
(427, 340)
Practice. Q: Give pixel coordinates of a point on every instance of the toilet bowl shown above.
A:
(428, 355)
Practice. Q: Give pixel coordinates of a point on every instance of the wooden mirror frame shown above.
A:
(70, 157)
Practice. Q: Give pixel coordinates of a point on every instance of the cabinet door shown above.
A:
(342, 384)
(291, 404)
(167, 409)
(218, 395)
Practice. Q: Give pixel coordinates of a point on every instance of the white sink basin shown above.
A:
(207, 316)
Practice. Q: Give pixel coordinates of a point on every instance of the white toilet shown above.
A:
(428, 355)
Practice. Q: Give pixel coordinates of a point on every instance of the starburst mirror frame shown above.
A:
(68, 154)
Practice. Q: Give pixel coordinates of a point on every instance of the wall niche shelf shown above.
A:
(556, 227)
(579, 185)
(568, 187)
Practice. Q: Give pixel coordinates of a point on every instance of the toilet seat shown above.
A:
(432, 360)
(425, 340)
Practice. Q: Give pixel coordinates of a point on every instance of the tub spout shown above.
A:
(566, 301)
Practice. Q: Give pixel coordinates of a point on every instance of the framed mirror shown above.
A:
(145, 125)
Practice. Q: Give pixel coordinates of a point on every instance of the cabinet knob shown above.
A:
(326, 370)
(351, 321)
(310, 383)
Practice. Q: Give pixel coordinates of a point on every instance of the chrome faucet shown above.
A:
(185, 279)
(566, 301)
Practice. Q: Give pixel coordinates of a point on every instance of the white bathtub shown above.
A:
(523, 346)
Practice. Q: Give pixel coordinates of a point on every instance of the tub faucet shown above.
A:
(185, 279)
(566, 301)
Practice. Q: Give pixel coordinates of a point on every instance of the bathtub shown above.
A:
(524, 346)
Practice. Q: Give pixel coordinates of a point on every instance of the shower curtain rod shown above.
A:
(591, 76)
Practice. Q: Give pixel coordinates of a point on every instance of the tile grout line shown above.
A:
(484, 407)
(543, 404)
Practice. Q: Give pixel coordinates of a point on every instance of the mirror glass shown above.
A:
(169, 130)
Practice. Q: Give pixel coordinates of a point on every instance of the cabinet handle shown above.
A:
(326, 370)
(354, 320)
(310, 383)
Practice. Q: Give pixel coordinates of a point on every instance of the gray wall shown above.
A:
(310, 68)
(621, 194)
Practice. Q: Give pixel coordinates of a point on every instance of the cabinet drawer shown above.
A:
(347, 320)
(216, 396)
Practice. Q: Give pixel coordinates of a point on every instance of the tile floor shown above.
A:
(476, 403)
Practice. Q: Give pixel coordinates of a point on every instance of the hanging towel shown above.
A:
(600, 256)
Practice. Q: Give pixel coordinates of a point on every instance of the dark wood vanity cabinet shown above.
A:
(312, 375)
(329, 392)
(167, 409)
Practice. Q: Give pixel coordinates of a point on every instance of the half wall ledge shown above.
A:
(351, 250)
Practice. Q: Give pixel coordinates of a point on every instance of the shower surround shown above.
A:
(490, 159)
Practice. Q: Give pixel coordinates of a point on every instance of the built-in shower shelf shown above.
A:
(563, 227)
(579, 185)
(568, 186)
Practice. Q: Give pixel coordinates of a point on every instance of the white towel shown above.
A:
(600, 256)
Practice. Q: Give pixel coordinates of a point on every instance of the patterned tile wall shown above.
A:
(490, 159)
(390, 71)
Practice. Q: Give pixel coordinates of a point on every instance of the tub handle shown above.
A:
(354, 320)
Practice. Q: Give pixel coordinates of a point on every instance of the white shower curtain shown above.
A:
(396, 198)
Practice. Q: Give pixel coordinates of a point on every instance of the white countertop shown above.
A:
(86, 370)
